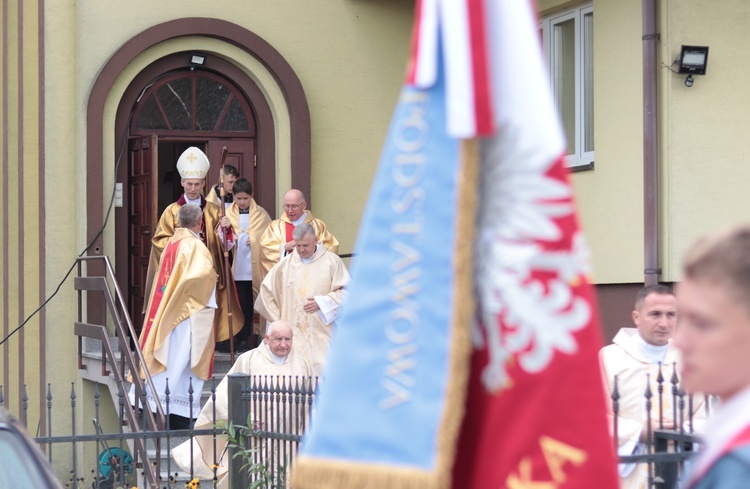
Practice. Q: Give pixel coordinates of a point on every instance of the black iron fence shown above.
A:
(278, 410)
(266, 417)
(671, 428)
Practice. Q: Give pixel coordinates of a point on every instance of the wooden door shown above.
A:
(240, 154)
(142, 218)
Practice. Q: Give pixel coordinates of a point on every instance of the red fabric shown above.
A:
(165, 271)
(411, 68)
(289, 231)
(546, 429)
(480, 67)
(742, 439)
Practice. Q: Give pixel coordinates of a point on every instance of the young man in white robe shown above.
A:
(713, 336)
(248, 221)
(635, 357)
(306, 289)
(275, 356)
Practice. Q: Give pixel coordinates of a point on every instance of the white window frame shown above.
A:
(578, 159)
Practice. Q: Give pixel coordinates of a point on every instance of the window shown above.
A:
(194, 101)
(568, 40)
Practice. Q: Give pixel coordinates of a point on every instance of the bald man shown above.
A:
(277, 240)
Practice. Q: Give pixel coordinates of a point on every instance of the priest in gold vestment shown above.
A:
(306, 289)
(276, 356)
(277, 240)
(177, 337)
(635, 357)
(193, 166)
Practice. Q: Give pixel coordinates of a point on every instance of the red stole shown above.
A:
(165, 271)
(289, 231)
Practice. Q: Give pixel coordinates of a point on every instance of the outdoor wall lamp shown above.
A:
(692, 61)
(197, 59)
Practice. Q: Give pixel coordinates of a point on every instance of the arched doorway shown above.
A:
(177, 107)
(106, 151)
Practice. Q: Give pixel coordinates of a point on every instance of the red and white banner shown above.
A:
(535, 412)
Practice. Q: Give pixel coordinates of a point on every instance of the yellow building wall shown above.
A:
(707, 128)
(702, 131)
(19, 241)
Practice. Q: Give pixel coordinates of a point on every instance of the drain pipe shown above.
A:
(651, 270)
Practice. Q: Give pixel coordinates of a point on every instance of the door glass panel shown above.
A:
(235, 120)
(175, 97)
(194, 102)
(150, 116)
(211, 98)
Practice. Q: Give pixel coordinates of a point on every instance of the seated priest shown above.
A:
(273, 357)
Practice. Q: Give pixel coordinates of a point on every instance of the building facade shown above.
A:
(99, 98)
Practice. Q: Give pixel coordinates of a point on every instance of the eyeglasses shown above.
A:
(293, 207)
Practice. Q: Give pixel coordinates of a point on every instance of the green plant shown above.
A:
(243, 438)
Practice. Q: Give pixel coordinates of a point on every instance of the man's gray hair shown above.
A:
(188, 215)
(303, 230)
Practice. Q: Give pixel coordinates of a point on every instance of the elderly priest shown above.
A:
(274, 357)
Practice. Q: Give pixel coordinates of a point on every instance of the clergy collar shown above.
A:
(652, 353)
(300, 220)
(194, 233)
(312, 257)
(200, 201)
(243, 211)
(276, 359)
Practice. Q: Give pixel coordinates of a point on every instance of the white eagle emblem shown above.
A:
(523, 316)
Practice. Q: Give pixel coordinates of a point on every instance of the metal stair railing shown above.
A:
(130, 359)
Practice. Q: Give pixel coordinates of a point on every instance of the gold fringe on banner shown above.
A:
(319, 473)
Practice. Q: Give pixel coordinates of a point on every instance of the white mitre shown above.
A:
(193, 163)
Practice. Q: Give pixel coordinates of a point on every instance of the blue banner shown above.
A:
(383, 396)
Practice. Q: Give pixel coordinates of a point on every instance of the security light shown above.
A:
(197, 59)
(693, 61)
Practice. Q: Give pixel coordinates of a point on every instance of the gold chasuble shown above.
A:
(259, 220)
(165, 229)
(184, 284)
(285, 290)
(279, 232)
